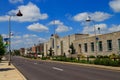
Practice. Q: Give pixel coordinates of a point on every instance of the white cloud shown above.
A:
(114, 28)
(60, 26)
(103, 28)
(15, 1)
(92, 29)
(29, 35)
(26, 40)
(17, 37)
(63, 28)
(56, 22)
(37, 27)
(4, 35)
(4, 18)
(96, 16)
(30, 13)
(100, 16)
(115, 5)
(81, 16)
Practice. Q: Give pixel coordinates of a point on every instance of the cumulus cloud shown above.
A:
(26, 40)
(37, 27)
(29, 35)
(15, 1)
(114, 28)
(30, 13)
(115, 5)
(4, 18)
(60, 26)
(96, 16)
(63, 28)
(80, 16)
(92, 29)
(56, 22)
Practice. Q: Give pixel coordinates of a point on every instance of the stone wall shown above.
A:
(61, 45)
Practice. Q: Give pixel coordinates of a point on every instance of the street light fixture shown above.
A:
(96, 38)
(9, 32)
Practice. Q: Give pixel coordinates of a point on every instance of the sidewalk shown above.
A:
(9, 72)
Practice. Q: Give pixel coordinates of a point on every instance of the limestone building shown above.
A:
(102, 44)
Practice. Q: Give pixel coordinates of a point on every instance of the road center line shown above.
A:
(35, 63)
(59, 69)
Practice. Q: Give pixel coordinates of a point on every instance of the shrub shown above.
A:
(91, 56)
(106, 62)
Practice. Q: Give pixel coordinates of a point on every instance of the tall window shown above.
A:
(61, 44)
(92, 46)
(119, 43)
(109, 44)
(52, 43)
(80, 48)
(100, 46)
(85, 47)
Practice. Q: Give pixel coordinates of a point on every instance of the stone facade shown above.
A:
(102, 44)
(110, 44)
(60, 46)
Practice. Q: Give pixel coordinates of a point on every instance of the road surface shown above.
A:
(43, 70)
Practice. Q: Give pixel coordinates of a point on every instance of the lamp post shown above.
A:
(9, 32)
(96, 38)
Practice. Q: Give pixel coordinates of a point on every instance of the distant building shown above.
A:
(39, 48)
(22, 51)
(28, 51)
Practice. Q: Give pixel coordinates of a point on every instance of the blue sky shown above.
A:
(41, 18)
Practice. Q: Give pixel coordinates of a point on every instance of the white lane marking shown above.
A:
(57, 69)
(35, 63)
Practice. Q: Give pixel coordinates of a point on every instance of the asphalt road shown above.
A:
(43, 70)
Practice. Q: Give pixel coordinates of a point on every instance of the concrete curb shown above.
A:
(88, 65)
(10, 72)
(17, 70)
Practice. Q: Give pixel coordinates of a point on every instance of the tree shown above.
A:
(16, 52)
(50, 52)
(2, 48)
(72, 49)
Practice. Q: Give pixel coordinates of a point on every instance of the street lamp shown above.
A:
(9, 32)
(96, 38)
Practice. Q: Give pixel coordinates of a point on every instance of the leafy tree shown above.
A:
(16, 52)
(50, 52)
(72, 49)
(2, 48)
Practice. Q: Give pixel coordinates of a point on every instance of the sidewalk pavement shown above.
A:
(9, 72)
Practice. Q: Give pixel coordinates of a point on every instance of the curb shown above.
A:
(21, 75)
(88, 65)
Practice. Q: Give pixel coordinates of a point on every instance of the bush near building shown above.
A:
(100, 60)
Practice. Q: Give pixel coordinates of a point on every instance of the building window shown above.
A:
(92, 46)
(119, 43)
(80, 48)
(52, 43)
(61, 44)
(109, 44)
(85, 47)
(100, 46)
